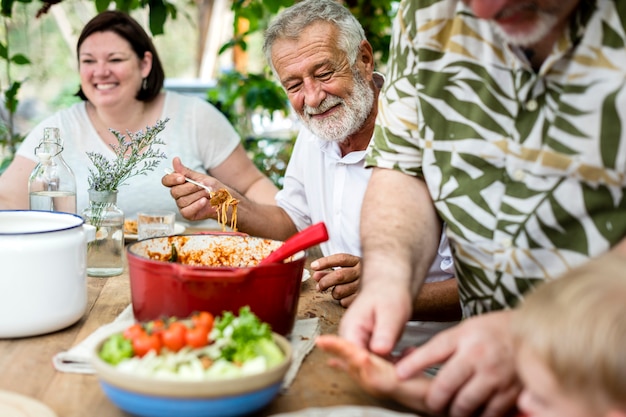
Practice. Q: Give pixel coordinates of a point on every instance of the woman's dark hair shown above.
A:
(125, 26)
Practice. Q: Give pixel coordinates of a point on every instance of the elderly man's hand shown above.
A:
(341, 272)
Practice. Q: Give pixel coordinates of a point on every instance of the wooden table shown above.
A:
(26, 364)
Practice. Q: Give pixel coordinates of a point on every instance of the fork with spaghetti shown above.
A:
(221, 200)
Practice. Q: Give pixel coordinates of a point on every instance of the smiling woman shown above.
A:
(49, 82)
(121, 85)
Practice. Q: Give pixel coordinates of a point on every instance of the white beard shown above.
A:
(545, 23)
(346, 120)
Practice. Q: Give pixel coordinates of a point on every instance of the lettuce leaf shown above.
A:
(246, 337)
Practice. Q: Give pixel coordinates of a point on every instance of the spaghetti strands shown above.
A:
(222, 200)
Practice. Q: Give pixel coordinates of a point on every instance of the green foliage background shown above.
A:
(238, 95)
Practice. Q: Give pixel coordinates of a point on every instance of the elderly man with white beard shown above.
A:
(319, 53)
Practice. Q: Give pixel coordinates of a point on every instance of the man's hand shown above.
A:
(376, 318)
(341, 272)
(478, 374)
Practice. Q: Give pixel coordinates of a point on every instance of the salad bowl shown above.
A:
(229, 396)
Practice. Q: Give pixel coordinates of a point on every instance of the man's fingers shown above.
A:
(503, 404)
(387, 330)
(435, 352)
(331, 261)
(484, 398)
(356, 333)
(376, 319)
(342, 291)
(345, 277)
(345, 302)
(461, 400)
(446, 384)
(477, 378)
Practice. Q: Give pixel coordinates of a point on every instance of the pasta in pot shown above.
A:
(227, 251)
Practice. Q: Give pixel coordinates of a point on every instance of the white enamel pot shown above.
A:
(43, 263)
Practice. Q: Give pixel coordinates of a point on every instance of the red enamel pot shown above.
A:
(160, 287)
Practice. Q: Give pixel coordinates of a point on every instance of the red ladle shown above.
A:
(304, 239)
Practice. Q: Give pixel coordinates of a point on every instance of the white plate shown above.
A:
(16, 405)
(178, 229)
(305, 275)
(345, 411)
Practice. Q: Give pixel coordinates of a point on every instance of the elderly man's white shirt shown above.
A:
(321, 185)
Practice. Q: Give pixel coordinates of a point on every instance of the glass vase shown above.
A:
(105, 255)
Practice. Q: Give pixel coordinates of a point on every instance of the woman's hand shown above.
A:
(192, 200)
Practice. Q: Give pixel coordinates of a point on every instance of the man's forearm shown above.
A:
(438, 301)
(400, 230)
(620, 247)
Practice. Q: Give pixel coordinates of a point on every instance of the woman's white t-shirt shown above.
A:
(196, 132)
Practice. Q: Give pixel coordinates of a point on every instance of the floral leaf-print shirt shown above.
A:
(526, 167)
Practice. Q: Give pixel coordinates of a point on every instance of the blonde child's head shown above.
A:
(575, 329)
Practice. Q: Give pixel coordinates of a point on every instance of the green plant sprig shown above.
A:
(132, 157)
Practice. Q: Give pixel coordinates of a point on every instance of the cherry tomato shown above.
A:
(203, 318)
(134, 331)
(197, 336)
(174, 336)
(156, 326)
(145, 343)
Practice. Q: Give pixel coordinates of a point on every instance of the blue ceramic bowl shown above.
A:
(149, 397)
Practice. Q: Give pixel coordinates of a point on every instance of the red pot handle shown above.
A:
(304, 239)
(187, 273)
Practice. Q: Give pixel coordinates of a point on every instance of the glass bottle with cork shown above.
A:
(52, 185)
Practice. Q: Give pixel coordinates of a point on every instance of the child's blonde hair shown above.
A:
(576, 326)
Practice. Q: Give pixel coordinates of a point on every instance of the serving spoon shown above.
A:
(209, 190)
(304, 239)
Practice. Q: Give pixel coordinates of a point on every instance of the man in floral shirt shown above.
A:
(510, 116)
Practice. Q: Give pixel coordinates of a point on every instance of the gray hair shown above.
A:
(292, 21)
